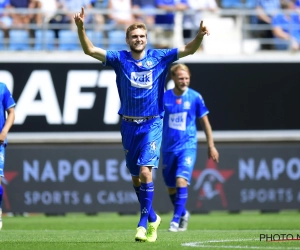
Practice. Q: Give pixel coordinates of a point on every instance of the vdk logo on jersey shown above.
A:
(142, 79)
(178, 121)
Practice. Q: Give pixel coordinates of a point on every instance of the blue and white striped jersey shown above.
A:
(141, 82)
(6, 102)
(181, 113)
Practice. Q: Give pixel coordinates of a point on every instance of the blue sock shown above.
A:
(1, 194)
(173, 199)
(152, 214)
(146, 197)
(181, 198)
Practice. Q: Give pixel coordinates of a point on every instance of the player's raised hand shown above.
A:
(203, 30)
(79, 18)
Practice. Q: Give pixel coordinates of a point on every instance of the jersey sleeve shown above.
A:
(8, 100)
(112, 58)
(169, 55)
(201, 109)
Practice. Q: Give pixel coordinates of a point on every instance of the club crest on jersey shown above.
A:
(149, 63)
(179, 101)
(186, 105)
(142, 79)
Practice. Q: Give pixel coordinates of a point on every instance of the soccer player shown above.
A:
(183, 106)
(7, 105)
(140, 81)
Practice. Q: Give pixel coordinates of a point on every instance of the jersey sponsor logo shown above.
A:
(142, 79)
(178, 121)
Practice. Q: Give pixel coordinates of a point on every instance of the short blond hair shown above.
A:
(179, 66)
(134, 27)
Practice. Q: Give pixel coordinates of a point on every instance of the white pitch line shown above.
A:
(212, 241)
(246, 247)
(246, 230)
(216, 241)
(203, 244)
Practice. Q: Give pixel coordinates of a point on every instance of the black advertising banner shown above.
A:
(248, 177)
(59, 97)
(94, 178)
(68, 178)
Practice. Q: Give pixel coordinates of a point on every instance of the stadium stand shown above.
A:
(19, 40)
(116, 40)
(96, 37)
(68, 40)
(1, 40)
(234, 22)
(44, 40)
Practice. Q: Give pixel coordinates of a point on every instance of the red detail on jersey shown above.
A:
(179, 101)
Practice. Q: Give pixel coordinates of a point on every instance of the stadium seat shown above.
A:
(44, 40)
(68, 40)
(237, 4)
(18, 40)
(1, 39)
(116, 40)
(96, 37)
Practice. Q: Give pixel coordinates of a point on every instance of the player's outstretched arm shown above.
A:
(192, 46)
(85, 42)
(212, 151)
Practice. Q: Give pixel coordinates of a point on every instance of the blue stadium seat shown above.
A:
(18, 40)
(68, 40)
(116, 40)
(101, 4)
(237, 4)
(1, 39)
(96, 37)
(44, 40)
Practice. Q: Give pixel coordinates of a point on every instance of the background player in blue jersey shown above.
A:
(140, 81)
(7, 105)
(179, 145)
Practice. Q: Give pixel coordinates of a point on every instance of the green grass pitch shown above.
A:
(216, 230)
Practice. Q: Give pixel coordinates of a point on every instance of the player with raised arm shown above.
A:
(141, 77)
(183, 106)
